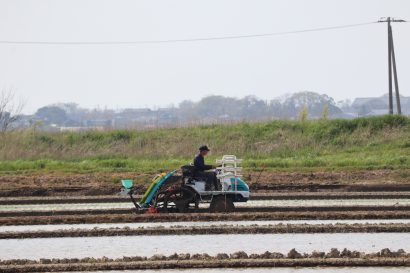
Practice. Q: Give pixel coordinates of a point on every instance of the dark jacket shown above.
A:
(199, 164)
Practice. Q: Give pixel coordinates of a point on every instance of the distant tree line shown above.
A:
(211, 109)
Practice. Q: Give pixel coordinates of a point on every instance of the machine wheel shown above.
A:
(176, 200)
(222, 204)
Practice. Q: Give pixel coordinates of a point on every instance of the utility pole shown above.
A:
(396, 82)
(389, 36)
(392, 64)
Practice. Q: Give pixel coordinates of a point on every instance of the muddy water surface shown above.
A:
(192, 224)
(256, 203)
(115, 247)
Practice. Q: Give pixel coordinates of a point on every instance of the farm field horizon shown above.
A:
(207, 136)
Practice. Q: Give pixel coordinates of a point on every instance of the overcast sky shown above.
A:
(343, 63)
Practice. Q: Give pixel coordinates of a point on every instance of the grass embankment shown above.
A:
(357, 144)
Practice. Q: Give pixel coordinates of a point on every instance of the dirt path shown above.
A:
(60, 184)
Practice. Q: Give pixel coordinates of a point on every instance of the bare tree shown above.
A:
(304, 113)
(325, 112)
(10, 110)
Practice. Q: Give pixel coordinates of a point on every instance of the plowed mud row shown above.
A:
(217, 229)
(255, 196)
(235, 260)
(177, 217)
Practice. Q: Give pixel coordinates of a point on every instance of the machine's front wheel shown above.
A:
(222, 204)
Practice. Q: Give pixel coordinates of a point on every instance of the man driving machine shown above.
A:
(204, 171)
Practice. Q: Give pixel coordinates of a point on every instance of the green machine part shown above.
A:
(155, 181)
(127, 183)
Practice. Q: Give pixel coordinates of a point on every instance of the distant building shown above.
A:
(98, 123)
(79, 129)
(377, 106)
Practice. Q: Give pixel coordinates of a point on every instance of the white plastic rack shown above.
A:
(229, 167)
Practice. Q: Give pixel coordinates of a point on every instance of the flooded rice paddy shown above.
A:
(116, 247)
(27, 228)
(156, 244)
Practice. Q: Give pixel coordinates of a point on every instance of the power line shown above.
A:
(185, 40)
